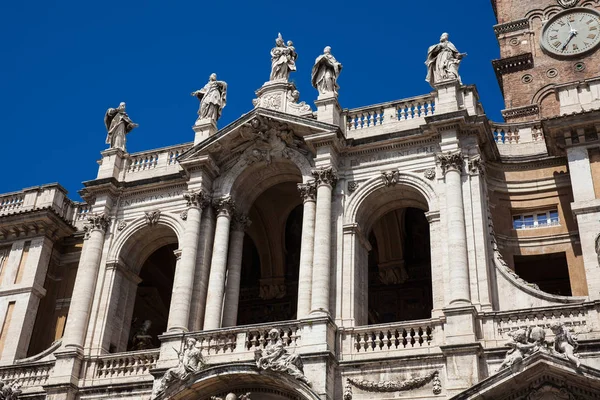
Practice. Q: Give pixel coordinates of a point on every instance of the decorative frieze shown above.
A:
(325, 176)
(308, 191)
(513, 64)
(450, 160)
(152, 217)
(511, 26)
(348, 390)
(196, 198)
(224, 205)
(519, 112)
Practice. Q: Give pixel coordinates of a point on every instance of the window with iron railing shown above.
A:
(538, 219)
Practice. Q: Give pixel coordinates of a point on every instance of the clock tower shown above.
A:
(549, 57)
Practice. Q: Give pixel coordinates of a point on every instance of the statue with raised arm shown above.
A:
(276, 358)
(283, 59)
(325, 72)
(442, 62)
(118, 124)
(213, 98)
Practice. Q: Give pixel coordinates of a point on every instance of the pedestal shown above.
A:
(111, 164)
(204, 129)
(281, 95)
(447, 96)
(328, 109)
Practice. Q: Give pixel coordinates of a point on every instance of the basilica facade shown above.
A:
(411, 249)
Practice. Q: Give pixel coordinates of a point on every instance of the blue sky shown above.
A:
(65, 62)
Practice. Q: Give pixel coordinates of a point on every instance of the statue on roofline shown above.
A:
(283, 59)
(213, 98)
(118, 124)
(442, 61)
(325, 72)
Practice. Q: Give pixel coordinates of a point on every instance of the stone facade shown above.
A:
(411, 249)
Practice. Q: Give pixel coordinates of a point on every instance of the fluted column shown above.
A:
(216, 281)
(452, 165)
(183, 282)
(325, 180)
(234, 269)
(308, 192)
(85, 281)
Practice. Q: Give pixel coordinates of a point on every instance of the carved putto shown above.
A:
(325, 73)
(442, 61)
(10, 391)
(390, 178)
(565, 343)
(283, 59)
(118, 124)
(232, 396)
(152, 217)
(275, 357)
(213, 98)
(190, 362)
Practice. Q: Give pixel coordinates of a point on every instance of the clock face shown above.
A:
(572, 32)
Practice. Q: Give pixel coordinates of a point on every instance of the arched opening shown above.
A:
(142, 283)
(271, 257)
(400, 286)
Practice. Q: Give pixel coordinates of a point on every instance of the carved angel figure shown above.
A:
(190, 362)
(118, 124)
(565, 343)
(276, 358)
(213, 98)
(283, 59)
(325, 72)
(442, 62)
(232, 396)
(520, 348)
(10, 391)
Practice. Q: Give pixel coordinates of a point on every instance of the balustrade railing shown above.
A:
(126, 364)
(507, 134)
(142, 162)
(28, 375)
(81, 211)
(11, 202)
(396, 111)
(154, 159)
(575, 317)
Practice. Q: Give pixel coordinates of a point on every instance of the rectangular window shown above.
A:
(6, 324)
(536, 220)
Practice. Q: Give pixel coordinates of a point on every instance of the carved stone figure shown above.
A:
(275, 357)
(232, 396)
(190, 362)
(565, 343)
(213, 98)
(442, 62)
(325, 72)
(283, 59)
(141, 339)
(152, 217)
(520, 348)
(10, 391)
(118, 124)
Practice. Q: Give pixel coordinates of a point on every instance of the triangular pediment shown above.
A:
(261, 126)
(543, 376)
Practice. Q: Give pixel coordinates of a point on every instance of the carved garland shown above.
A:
(391, 386)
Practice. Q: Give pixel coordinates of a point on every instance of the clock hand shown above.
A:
(572, 34)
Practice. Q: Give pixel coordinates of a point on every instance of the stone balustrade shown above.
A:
(390, 114)
(11, 202)
(528, 136)
(31, 376)
(122, 366)
(376, 341)
(154, 162)
(51, 196)
(582, 319)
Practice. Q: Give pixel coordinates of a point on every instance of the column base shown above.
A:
(319, 313)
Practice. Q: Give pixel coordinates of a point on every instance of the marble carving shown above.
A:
(395, 386)
(442, 62)
(232, 396)
(283, 59)
(118, 124)
(190, 362)
(10, 391)
(325, 72)
(213, 98)
(275, 357)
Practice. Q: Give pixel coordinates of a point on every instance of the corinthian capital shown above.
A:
(325, 176)
(308, 191)
(196, 198)
(224, 206)
(240, 222)
(97, 222)
(452, 160)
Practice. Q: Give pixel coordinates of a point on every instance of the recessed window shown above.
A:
(538, 219)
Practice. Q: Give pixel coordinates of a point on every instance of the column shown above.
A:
(216, 281)
(325, 180)
(234, 269)
(451, 164)
(308, 192)
(85, 281)
(183, 282)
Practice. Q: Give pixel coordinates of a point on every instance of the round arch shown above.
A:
(374, 199)
(239, 378)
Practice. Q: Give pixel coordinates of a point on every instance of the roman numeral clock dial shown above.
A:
(572, 32)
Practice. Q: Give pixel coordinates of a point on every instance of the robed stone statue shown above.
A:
(325, 72)
(283, 59)
(213, 98)
(118, 124)
(442, 62)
